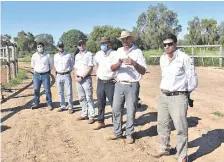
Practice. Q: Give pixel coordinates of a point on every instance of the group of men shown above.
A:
(118, 75)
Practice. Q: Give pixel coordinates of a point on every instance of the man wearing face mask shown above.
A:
(42, 63)
(63, 63)
(106, 82)
(83, 68)
(130, 65)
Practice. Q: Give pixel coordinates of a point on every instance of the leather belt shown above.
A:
(176, 93)
(82, 77)
(108, 81)
(126, 82)
(48, 72)
(63, 73)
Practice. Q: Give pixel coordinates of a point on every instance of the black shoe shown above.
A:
(34, 106)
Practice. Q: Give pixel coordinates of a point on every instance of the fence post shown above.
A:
(220, 59)
(16, 59)
(13, 60)
(8, 64)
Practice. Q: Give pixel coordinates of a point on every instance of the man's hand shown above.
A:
(78, 79)
(129, 61)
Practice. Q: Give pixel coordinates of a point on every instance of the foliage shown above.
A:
(204, 32)
(71, 38)
(154, 24)
(48, 41)
(19, 78)
(98, 32)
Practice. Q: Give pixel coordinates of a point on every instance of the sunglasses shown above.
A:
(169, 44)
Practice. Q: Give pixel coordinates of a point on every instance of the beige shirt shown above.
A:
(41, 63)
(63, 62)
(103, 62)
(178, 74)
(128, 72)
(83, 60)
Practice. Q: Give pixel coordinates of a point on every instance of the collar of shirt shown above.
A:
(63, 53)
(132, 48)
(84, 52)
(174, 56)
(108, 53)
(42, 55)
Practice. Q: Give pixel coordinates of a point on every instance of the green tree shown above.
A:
(194, 36)
(154, 24)
(48, 41)
(71, 38)
(202, 32)
(7, 36)
(221, 33)
(98, 32)
(209, 31)
(21, 42)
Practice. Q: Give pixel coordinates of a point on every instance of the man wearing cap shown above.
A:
(83, 68)
(42, 63)
(105, 82)
(130, 65)
(178, 80)
(64, 62)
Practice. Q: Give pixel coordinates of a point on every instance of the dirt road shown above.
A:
(48, 136)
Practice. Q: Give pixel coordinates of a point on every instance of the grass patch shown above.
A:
(217, 113)
(26, 58)
(19, 78)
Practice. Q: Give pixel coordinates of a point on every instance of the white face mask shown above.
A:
(40, 50)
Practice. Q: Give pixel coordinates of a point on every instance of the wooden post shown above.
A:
(220, 59)
(8, 64)
(13, 60)
(16, 59)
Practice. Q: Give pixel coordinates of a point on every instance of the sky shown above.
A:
(57, 17)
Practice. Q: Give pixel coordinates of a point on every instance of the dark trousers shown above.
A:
(104, 90)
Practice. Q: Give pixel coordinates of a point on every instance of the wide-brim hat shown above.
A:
(104, 40)
(125, 34)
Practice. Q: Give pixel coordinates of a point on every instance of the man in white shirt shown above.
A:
(130, 65)
(178, 79)
(105, 82)
(63, 63)
(42, 63)
(83, 68)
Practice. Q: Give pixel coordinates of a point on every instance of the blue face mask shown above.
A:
(103, 47)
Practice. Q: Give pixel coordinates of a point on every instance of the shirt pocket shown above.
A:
(178, 69)
(65, 60)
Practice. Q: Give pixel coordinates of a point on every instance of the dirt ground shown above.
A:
(48, 136)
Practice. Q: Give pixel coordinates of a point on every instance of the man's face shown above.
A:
(169, 46)
(60, 48)
(127, 42)
(82, 47)
(40, 48)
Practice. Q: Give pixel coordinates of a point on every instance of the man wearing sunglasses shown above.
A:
(130, 65)
(42, 63)
(178, 80)
(63, 63)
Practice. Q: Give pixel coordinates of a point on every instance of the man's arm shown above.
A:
(116, 66)
(139, 68)
(32, 62)
(192, 78)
